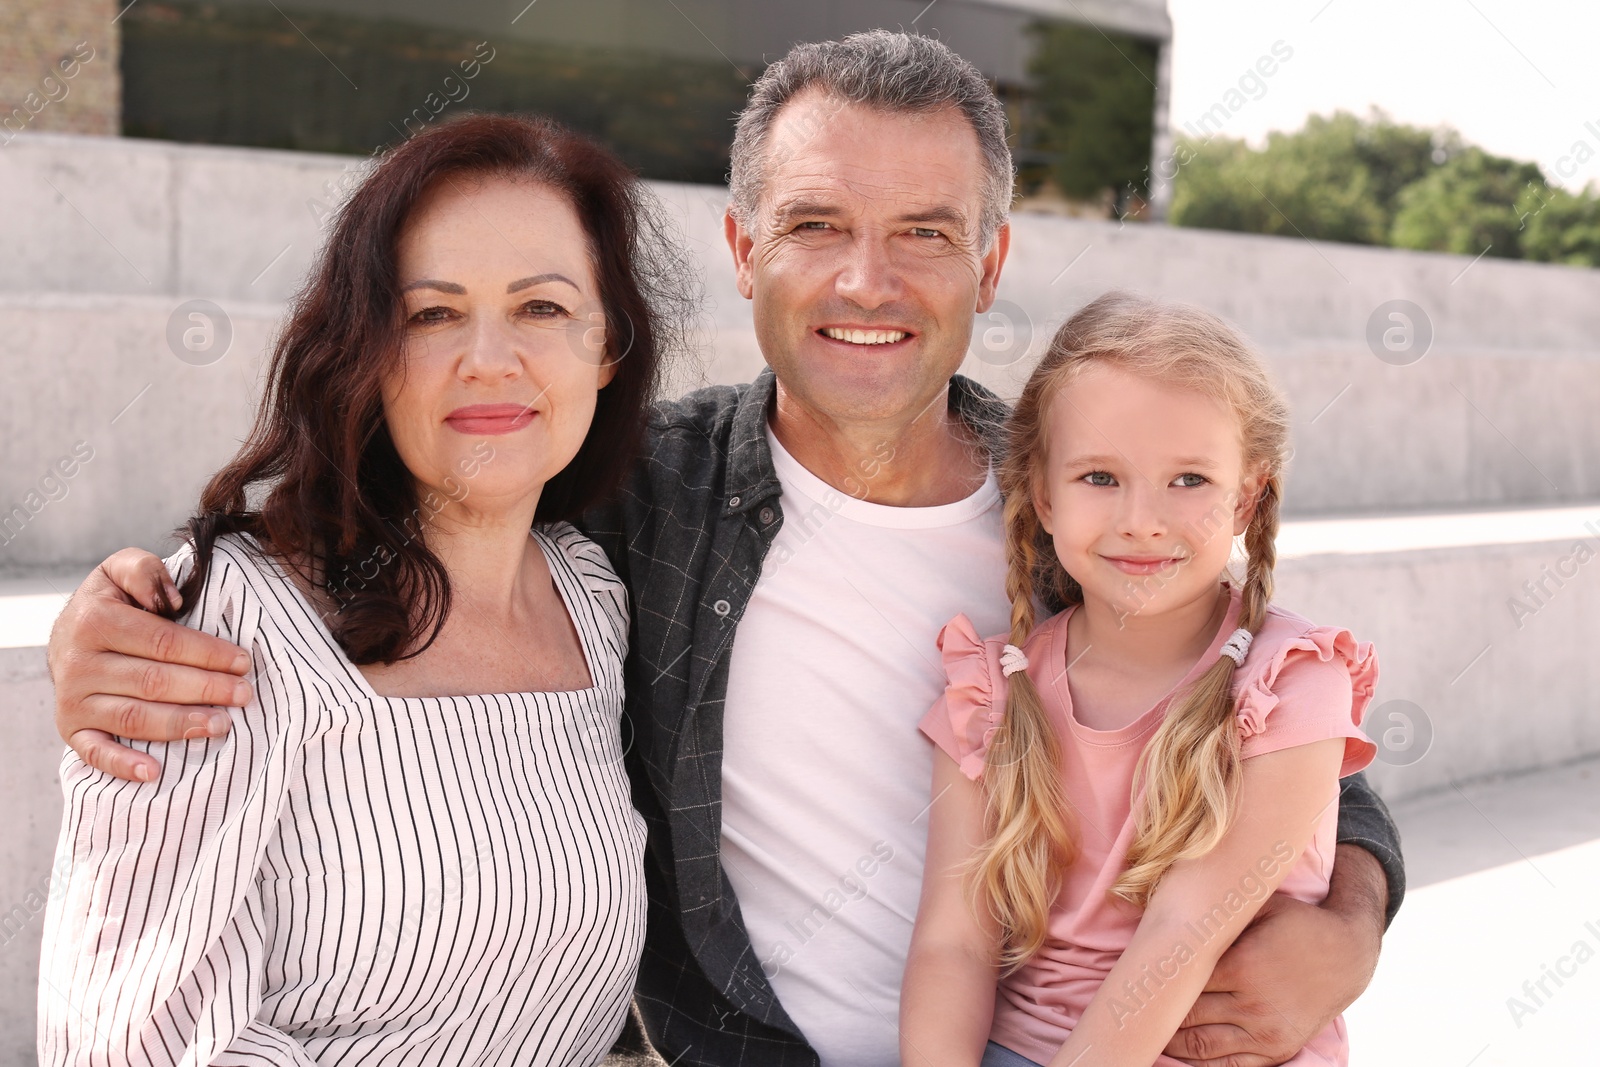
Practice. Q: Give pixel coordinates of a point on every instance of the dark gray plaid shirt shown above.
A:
(688, 536)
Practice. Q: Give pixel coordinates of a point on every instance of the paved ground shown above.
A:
(1495, 959)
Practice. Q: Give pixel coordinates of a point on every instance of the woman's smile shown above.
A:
(485, 420)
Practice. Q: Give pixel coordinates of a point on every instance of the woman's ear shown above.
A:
(1244, 508)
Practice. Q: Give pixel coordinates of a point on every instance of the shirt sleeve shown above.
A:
(154, 940)
(1364, 821)
(1313, 688)
(605, 587)
(962, 722)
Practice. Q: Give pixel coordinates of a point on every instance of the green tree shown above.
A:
(1337, 178)
(1474, 202)
(1092, 111)
(1565, 229)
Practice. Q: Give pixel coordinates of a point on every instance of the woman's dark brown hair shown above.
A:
(336, 502)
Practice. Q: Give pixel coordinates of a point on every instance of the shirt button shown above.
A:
(733, 501)
(722, 607)
(766, 516)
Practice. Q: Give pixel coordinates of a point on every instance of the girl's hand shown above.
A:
(1263, 1003)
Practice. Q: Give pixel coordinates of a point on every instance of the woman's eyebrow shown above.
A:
(434, 283)
(523, 283)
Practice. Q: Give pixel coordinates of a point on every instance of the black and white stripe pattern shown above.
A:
(353, 879)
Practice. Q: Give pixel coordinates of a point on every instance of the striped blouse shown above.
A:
(354, 879)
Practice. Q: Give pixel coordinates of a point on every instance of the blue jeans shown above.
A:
(1000, 1056)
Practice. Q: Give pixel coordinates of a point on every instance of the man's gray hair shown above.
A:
(897, 72)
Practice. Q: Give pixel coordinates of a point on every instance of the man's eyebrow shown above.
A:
(942, 213)
(807, 208)
(434, 283)
(535, 279)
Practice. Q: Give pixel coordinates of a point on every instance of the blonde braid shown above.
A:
(1018, 869)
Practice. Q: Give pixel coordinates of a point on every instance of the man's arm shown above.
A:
(1365, 822)
(121, 670)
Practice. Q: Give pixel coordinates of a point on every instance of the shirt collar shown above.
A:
(751, 476)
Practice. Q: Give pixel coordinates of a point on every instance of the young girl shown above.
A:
(1123, 784)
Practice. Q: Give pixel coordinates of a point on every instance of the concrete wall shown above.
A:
(1498, 412)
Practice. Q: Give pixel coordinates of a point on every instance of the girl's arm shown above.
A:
(1202, 905)
(947, 1001)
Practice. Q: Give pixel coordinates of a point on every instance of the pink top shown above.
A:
(1300, 683)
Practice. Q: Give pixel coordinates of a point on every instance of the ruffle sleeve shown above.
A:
(962, 722)
(1311, 686)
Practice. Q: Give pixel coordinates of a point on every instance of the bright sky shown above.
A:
(1518, 77)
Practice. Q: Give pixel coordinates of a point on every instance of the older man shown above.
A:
(792, 547)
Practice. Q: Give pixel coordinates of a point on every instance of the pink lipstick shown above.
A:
(487, 420)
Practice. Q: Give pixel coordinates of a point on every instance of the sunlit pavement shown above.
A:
(1494, 960)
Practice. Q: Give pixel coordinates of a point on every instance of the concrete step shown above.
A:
(99, 375)
(1464, 608)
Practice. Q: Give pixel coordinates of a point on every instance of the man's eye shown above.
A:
(1100, 478)
(925, 231)
(1189, 481)
(815, 224)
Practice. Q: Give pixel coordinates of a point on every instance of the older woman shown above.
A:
(416, 846)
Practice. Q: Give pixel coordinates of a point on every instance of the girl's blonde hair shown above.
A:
(1189, 772)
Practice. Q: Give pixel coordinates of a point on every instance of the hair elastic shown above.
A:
(1012, 660)
(1237, 646)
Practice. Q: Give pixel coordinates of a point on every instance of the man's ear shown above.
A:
(1244, 508)
(741, 244)
(993, 260)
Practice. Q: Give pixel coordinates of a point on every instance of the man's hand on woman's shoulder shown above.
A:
(122, 670)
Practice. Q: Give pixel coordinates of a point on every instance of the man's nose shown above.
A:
(869, 278)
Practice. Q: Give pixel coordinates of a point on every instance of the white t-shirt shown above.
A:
(825, 778)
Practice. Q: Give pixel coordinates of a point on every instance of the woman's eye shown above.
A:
(1100, 478)
(544, 309)
(1189, 481)
(433, 314)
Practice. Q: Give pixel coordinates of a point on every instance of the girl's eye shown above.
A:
(1100, 478)
(1189, 481)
